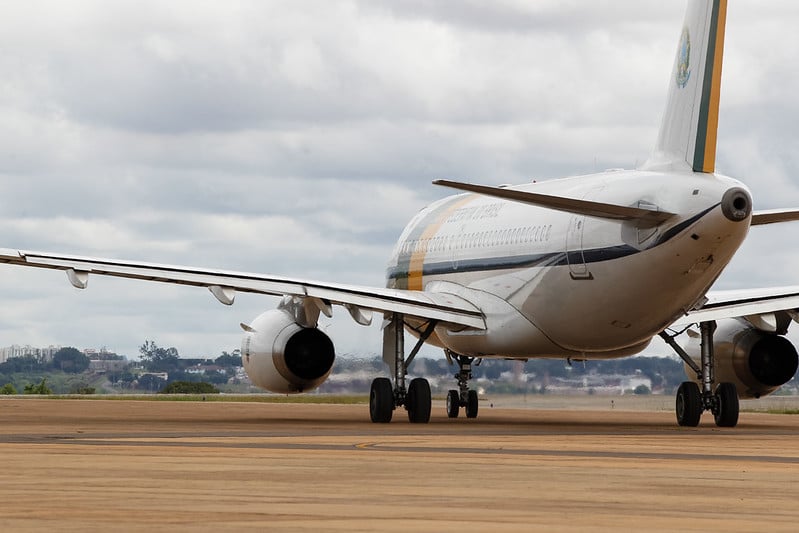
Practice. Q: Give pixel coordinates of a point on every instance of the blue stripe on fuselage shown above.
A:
(547, 259)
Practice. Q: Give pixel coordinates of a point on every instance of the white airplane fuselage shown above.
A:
(556, 284)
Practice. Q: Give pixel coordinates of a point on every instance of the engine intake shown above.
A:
(281, 356)
(757, 362)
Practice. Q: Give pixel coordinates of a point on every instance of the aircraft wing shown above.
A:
(753, 304)
(224, 284)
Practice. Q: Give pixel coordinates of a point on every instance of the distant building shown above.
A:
(103, 366)
(101, 354)
(631, 383)
(42, 354)
(599, 384)
(105, 360)
(159, 375)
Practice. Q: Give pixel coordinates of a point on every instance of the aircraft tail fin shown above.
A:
(687, 137)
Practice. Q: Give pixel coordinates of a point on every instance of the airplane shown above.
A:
(578, 268)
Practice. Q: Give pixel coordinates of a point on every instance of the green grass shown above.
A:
(247, 398)
(782, 411)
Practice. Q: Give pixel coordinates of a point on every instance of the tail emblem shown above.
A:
(684, 61)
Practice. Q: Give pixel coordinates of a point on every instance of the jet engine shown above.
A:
(756, 361)
(282, 356)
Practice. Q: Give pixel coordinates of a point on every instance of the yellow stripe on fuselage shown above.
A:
(709, 163)
(417, 257)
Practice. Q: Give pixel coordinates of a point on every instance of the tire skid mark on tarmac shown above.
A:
(180, 442)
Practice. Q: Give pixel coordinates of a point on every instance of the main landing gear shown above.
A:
(691, 402)
(463, 397)
(383, 397)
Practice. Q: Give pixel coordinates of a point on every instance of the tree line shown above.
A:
(67, 371)
(160, 366)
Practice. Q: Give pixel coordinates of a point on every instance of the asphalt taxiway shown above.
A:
(93, 465)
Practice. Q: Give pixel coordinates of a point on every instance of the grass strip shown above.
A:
(244, 398)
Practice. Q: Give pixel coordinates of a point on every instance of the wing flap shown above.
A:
(432, 306)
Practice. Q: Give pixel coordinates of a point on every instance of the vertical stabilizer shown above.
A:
(687, 136)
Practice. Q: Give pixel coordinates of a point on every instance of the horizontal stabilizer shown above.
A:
(772, 216)
(645, 217)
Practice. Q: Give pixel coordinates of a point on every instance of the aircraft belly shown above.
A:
(509, 336)
(508, 333)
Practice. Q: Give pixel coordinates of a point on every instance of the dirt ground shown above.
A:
(93, 465)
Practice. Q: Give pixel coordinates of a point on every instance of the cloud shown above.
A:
(298, 137)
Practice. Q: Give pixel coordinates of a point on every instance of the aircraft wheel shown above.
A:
(471, 404)
(418, 401)
(726, 414)
(453, 403)
(381, 401)
(689, 404)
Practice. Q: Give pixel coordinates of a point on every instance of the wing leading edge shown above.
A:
(756, 305)
(223, 285)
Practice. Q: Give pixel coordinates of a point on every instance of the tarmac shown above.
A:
(611, 464)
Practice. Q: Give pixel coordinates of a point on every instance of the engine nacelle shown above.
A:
(757, 362)
(281, 356)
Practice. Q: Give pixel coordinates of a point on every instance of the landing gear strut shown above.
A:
(463, 397)
(383, 397)
(691, 402)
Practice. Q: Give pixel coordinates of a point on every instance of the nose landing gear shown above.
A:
(463, 397)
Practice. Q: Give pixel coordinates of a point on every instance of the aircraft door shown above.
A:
(574, 248)
(454, 245)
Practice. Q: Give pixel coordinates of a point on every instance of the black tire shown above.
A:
(381, 401)
(453, 403)
(689, 404)
(472, 403)
(418, 401)
(727, 405)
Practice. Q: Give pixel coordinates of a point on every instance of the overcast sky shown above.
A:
(298, 137)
